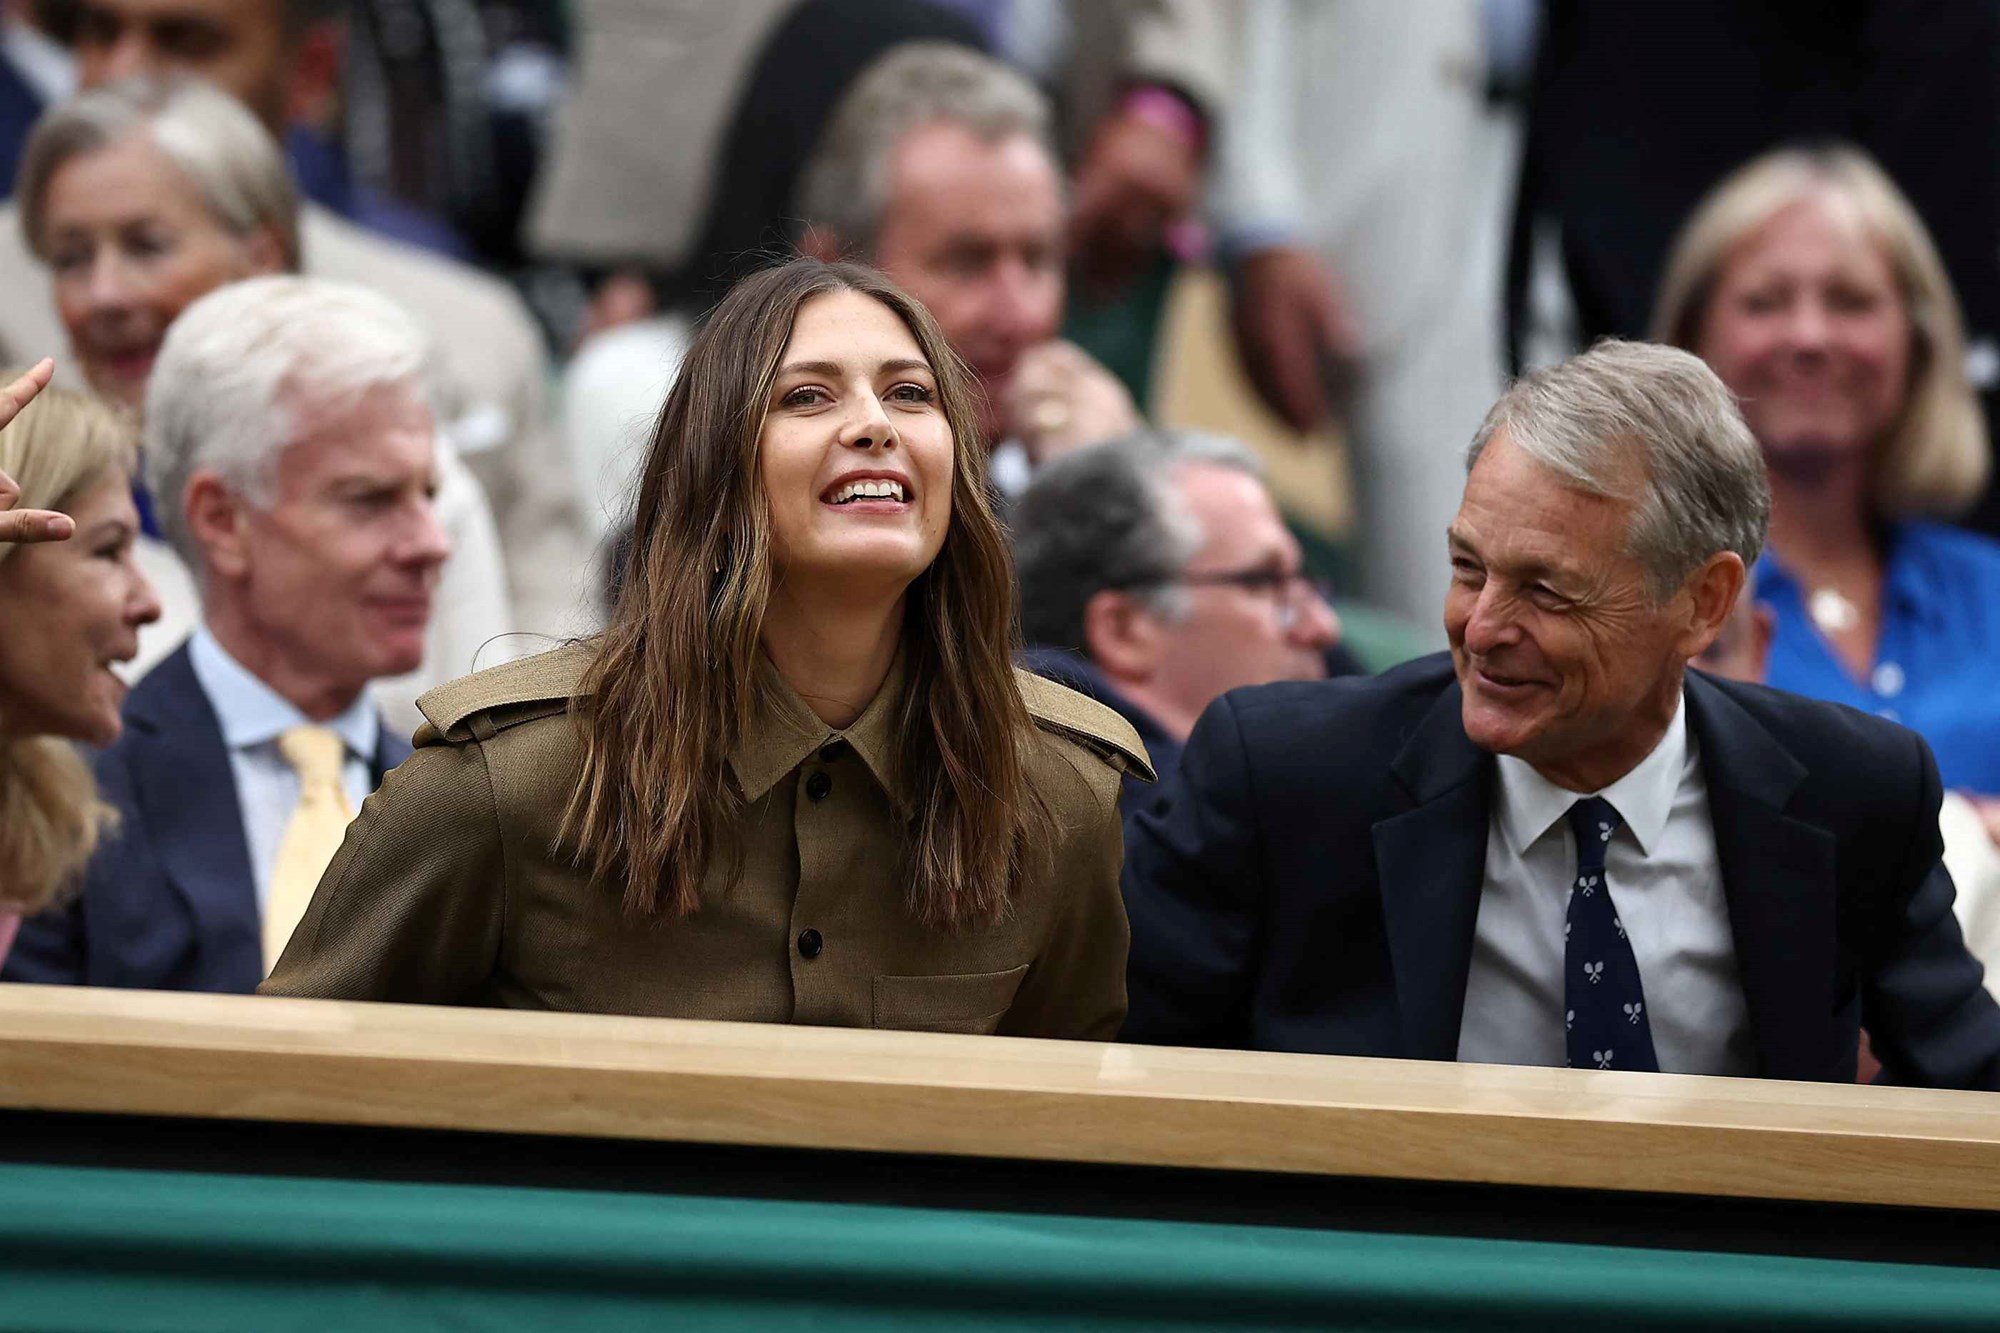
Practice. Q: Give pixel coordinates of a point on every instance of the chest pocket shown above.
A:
(967, 1002)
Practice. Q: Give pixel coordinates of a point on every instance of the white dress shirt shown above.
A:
(253, 716)
(1666, 882)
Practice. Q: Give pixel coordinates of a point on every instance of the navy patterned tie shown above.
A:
(1606, 1023)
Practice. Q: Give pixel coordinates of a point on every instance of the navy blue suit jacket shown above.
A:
(169, 902)
(1310, 880)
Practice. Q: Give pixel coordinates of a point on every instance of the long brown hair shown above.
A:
(673, 683)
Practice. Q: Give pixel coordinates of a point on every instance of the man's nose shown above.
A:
(426, 542)
(126, 56)
(1316, 624)
(1018, 303)
(1491, 625)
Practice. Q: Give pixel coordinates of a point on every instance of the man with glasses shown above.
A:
(1156, 574)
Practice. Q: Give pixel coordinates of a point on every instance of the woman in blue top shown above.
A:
(1808, 283)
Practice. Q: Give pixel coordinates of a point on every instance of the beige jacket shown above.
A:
(450, 888)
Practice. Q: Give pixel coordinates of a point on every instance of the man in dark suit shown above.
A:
(288, 417)
(1556, 845)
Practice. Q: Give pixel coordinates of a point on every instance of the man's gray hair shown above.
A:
(1109, 517)
(845, 188)
(242, 367)
(1701, 483)
(226, 155)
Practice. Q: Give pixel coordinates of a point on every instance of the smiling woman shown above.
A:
(796, 779)
(72, 609)
(1810, 285)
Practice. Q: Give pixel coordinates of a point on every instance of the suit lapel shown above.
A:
(187, 791)
(1431, 861)
(1778, 876)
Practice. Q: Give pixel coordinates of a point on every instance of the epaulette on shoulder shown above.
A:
(1086, 722)
(477, 706)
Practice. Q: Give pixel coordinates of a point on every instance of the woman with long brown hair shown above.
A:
(797, 778)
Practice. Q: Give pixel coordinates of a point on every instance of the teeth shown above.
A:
(869, 490)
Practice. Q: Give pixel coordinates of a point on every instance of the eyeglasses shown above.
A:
(1291, 591)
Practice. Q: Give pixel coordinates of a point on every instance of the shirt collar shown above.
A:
(252, 713)
(783, 731)
(1530, 804)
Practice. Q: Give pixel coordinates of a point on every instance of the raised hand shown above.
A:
(27, 525)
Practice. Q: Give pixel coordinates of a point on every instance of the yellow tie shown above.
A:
(318, 823)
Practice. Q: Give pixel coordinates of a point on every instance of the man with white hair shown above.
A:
(1555, 844)
(290, 417)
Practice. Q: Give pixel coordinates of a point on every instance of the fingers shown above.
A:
(35, 525)
(23, 390)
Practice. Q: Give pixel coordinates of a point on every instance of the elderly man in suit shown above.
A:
(290, 419)
(1556, 845)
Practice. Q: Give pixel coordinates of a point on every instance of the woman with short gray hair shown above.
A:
(141, 196)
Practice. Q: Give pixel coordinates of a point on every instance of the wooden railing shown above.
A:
(310, 1061)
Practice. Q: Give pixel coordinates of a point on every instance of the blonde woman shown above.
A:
(70, 609)
(797, 779)
(1809, 285)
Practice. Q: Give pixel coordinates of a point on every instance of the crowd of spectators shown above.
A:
(721, 438)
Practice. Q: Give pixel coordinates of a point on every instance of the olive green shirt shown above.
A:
(450, 888)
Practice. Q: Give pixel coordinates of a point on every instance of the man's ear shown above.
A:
(312, 84)
(819, 242)
(215, 519)
(1122, 636)
(1710, 592)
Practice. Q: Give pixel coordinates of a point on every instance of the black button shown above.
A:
(810, 944)
(832, 750)
(818, 785)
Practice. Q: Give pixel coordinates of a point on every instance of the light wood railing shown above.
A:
(247, 1058)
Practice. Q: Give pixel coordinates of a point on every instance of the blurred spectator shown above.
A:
(1809, 285)
(493, 370)
(188, 170)
(36, 70)
(281, 58)
(747, 89)
(1639, 109)
(290, 416)
(938, 169)
(751, 86)
(72, 608)
(1156, 574)
(1360, 142)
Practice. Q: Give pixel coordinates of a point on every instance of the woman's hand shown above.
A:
(27, 525)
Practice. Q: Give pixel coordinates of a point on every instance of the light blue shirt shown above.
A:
(1665, 877)
(253, 716)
